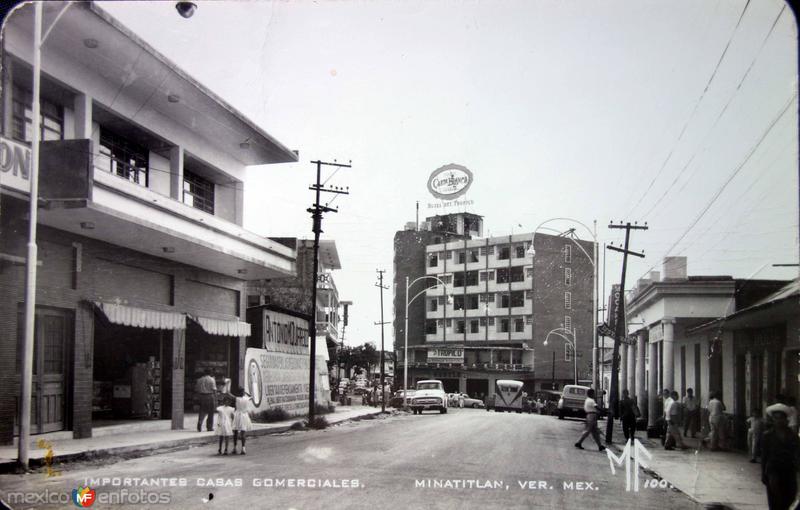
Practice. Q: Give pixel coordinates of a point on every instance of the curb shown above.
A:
(148, 449)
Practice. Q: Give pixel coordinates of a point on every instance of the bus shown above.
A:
(507, 396)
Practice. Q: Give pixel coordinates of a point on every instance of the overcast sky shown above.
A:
(682, 114)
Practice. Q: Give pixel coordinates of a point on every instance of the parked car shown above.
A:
(397, 399)
(572, 400)
(547, 401)
(429, 395)
(464, 400)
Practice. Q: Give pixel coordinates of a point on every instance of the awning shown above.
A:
(222, 327)
(141, 317)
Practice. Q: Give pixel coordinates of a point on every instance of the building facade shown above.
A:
(142, 258)
(492, 308)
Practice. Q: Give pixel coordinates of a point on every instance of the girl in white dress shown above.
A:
(224, 426)
(241, 418)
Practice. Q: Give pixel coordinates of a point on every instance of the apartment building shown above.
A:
(143, 260)
(490, 304)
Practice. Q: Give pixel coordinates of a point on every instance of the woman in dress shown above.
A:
(241, 418)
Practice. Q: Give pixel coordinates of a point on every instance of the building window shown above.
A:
(568, 300)
(253, 300)
(473, 255)
(519, 251)
(483, 321)
(484, 276)
(51, 117)
(459, 326)
(504, 253)
(472, 302)
(483, 250)
(529, 319)
(567, 352)
(123, 158)
(528, 273)
(448, 279)
(519, 325)
(458, 302)
(448, 323)
(491, 321)
(503, 275)
(433, 260)
(504, 301)
(502, 327)
(440, 323)
(461, 258)
(433, 305)
(473, 326)
(528, 294)
(437, 240)
(198, 192)
(518, 298)
(487, 250)
(517, 274)
(430, 327)
(567, 276)
(458, 279)
(567, 253)
(441, 300)
(487, 298)
(472, 278)
(568, 322)
(448, 255)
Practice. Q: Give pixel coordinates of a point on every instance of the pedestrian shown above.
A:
(673, 424)
(779, 459)
(692, 422)
(206, 389)
(241, 418)
(792, 413)
(716, 419)
(224, 425)
(666, 401)
(590, 407)
(755, 425)
(628, 415)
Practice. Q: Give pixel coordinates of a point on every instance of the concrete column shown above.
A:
(623, 368)
(178, 370)
(640, 371)
(669, 356)
(82, 370)
(242, 341)
(652, 386)
(82, 104)
(176, 173)
(239, 205)
(631, 385)
(8, 105)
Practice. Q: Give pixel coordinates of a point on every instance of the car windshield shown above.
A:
(429, 386)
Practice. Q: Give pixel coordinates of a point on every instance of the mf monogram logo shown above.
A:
(625, 457)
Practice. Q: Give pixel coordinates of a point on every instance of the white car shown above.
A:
(429, 395)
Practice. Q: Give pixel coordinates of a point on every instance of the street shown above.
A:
(467, 458)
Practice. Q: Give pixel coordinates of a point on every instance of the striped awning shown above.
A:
(141, 317)
(222, 327)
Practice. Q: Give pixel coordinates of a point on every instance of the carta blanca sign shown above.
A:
(449, 181)
(446, 355)
(15, 165)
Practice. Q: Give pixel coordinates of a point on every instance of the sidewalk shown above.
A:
(134, 443)
(724, 478)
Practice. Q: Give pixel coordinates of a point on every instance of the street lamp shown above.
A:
(405, 348)
(593, 261)
(560, 332)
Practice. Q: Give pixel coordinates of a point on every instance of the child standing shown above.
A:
(224, 428)
(755, 426)
(241, 418)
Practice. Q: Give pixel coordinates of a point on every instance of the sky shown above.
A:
(681, 114)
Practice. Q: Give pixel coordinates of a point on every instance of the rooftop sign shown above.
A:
(449, 181)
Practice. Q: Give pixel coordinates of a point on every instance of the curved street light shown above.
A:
(560, 332)
(408, 302)
(593, 261)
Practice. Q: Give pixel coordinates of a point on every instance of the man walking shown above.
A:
(716, 417)
(666, 400)
(673, 413)
(628, 415)
(206, 389)
(692, 421)
(590, 407)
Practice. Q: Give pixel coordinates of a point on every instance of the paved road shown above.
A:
(464, 459)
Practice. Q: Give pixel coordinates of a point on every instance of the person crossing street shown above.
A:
(590, 407)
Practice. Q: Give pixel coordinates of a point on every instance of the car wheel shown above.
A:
(443, 410)
(560, 415)
(474, 406)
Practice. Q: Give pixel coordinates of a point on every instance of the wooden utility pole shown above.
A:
(619, 329)
(316, 214)
(382, 323)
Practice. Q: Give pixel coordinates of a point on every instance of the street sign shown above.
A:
(604, 330)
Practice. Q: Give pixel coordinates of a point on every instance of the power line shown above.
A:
(694, 111)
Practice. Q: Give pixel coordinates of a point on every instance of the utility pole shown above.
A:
(381, 286)
(316, 214)
(619, 329)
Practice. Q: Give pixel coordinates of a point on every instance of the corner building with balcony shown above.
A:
(142, 257)
(498, 304)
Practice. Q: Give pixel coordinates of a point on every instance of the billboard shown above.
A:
(446, 355)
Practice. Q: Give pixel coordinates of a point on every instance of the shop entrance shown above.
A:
(477, 388)
(53, 336)
(128, 380)
(216, 354)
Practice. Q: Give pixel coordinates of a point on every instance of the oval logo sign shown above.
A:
(449, 181)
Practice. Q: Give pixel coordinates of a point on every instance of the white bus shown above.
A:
(507, 396)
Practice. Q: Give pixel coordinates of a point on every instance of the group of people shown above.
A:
(232, 413)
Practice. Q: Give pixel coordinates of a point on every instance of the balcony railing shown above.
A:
(499, 367)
